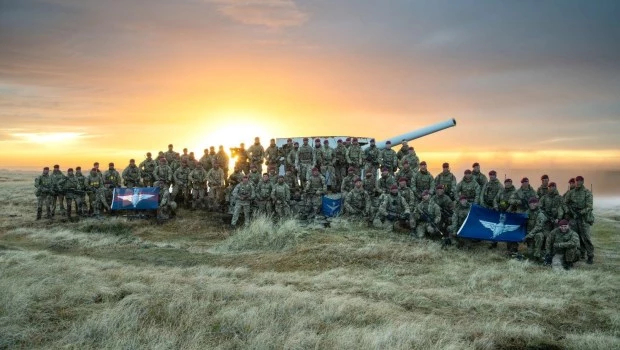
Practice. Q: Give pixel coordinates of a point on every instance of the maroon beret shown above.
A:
(426, 192)
(462, 197)
(563, 222)
(423, 162)
(508, 180)
(544, 177)
(525, 179)
(446, 165)
(492, 172)
(571, 181)
(393, 187)
(552, 184)
(533, 200)
(467, 171)
(402, 179)
(46, 168)
(475, 164)
(579, 178)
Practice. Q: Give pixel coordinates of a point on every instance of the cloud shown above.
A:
(48, 137)
(273, 14)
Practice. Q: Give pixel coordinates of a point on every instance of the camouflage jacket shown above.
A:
(469, 189)
(448, 180)
(44, 184)
(263, 190)
(357, 201)
(579, 202)
(427, 210)
(393, 205)
(480, 178)
(553, 205)
(422, 181)
(198, 178)
(181, 176)
(132, 173)
(256, 152)
(281, 193)
(521, 198)
(244, 192)
(113, 177)
(559, 241)
(316, 185)
(58, 181)
(163, 173)
(385, 182)
(372, 155)
(489, 192)
(502, 199)
(355, 155)
(216, 177)
(388, 159)
(536, 222)
(459, 216)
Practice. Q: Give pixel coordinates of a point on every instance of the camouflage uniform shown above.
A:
(102, 197)
(315, 188)
(489, 192)
(304, 162)
(480, 178)
(458, 218)
(163, 177)
(426, 213)
(146, 170)
(357, 203)
(565, 244)
(318, 154)
(370, 186)
(422, 181)
(216, 180)
(502, 199)
(182, 184)
(372, 157)
(243, 195)
(82, 194)
(167, 206)
(340, 164)
(407, 173)
(243, 159)
(348, 183)
(262, 198)
(257, 155)
(221, 158)
(112, 177)
(552, 204)
(385, 182)
(272, 154)
(254, 176)
(73, 187)
(389, 160)
(404, 149)
(520, 198)
(446, 205)
(291, 180)
(392, 209)
(281, 196)
(355, 157)
(131, 176)
(44, 191)
(58, 191)
(579, 203)
(170, 155)
(198, 180)
(448, 180)
(184, 156)
(412, 158)
(469, 188)
(535, 228)
(92, 183)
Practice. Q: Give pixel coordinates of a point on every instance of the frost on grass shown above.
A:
(263, 234)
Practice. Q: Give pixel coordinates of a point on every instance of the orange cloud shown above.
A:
(269, 13)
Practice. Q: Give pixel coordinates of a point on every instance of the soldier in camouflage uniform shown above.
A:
(206, 160)
(422, 181)
(536, 230)
(355, 156)
(520, 198)
(404, 149)
(385, 182)
(92, 183)
(315, 189)
(469, 188)
(553, 206)
(243, 158)
(281, 196)
(446, 205)
(502, 199)
(340, 163)
(406, 172)
(480, 178)
(357, 203)
(198, 181)
(102, 197)
(243, 194)
(544, 186)
(348, 182)
(262, 198)
(132, 175)
(112, 176)
(146, 170)
(427, 216)
(461, 211)
(167, 206)
(176, 163)
(221, 158)
(272, 154)
(185, 156)
(182, 184)
(291, 180)
(490, 190)
(412, 158)
(563, 244)
(163, 176)
(370, 186)
(579, 203)
(372, 158)
(73, 187)
(273, 176)
(81, 210)
(571, 186)
(448, 180)
(285, 150)
(44, 188)
(407, 193)
(170, 154)
(328, 154)
(291, 158)
(388, 158)
(318, 153)
(257, 154)
(58, 191)
(254, 176)
(392, 209)
(233, 180)
(304, 161)
(216, 179)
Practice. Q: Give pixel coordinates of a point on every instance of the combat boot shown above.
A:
(49, 214)
(68, 212)
(590, 260)
(39, 213)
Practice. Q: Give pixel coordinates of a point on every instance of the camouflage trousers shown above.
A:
(44, 200)
(565, 256)
(79, 204)
(239, 206)
(424, 228)
(216, 197)
(262, 207)
(583, 230)
(132, 183)
(304, 170)
(283, 210)
(371, 168)
(148, 180)
(314, 203)
(184, 190)
(60, 198)
(198, 196)
(535, 244)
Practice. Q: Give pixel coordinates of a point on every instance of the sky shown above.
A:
(531, 83)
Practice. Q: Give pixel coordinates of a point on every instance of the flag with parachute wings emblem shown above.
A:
(137, 198)
(491, 225)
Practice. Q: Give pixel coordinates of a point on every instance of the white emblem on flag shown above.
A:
(136, 197)
(500, 227)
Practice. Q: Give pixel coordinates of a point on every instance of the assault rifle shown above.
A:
(446, 241)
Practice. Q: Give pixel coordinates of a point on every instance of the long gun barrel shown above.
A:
(415, 134)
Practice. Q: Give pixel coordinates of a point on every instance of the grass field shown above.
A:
(194, 284)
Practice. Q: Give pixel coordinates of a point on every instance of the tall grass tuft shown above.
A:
(263, 235)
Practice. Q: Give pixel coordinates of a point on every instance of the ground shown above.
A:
(192, 283)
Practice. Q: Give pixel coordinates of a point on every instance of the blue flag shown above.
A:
(491, 225)
(331, 206)
(135, 198)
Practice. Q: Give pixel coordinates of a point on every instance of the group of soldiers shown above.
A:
(381, 186)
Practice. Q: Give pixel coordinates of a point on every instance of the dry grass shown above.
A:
(193, 284)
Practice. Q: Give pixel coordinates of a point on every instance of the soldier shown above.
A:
(291, 180)
(281, 196)
(348, 182)
(458, 218)
(257, 154)
(480, 178)
(412, 158)
(191, 162)
(563, 244)
(298, 205)
(181, 184)
(81, 210)
(469, 188)
(285, 150)
(163, 177)
(446, 205)
(347, 143)
(146, 170)
(329, 172)
(328, 155)
(131, 175)
(372, 156)
(579, 204)
(184, 156)
(406, 172)
(305, 160)
(291, 158)
(198, 181)
(535, 228)
(96, 166)
(58, 194)
(520, 198)
(552, 204)
(112, 176)
(176, 162)
(423, 181)
(355, 155)
(318, 153)
(273, 176)
(385, 182)
(427, 216)
(490, 190)
(404, 149)
(315, 189)
(357, 203)
(243, 194)
(272, 154)
(73, 187)
(502, 199)
(102, 198)
(254, 176)
(92, 184)
(170, 154)
(221, 158)
(571, 186)
(448, 180)
(216, 179)
(44, 191)
(388, 158)
(206, 160)
(393, 208)
(370, 186)
(407, 193)
(262, 199)
(340, 163)
(544, 186)
(233, 180)
(243, 158)
(167, 206)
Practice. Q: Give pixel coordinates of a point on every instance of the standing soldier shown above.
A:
(501, 203)
(92, 183)
(372, 156)
(291, 157)
(552, 204)
(233, 180)
(318, 153)
(81, 210)
(291, 180)
(181, 184)
(404, 149)
(328, 154)
(446, 205)
(243, 194)
(563, 245)
(544, 186)
(387, 158)
(571, 186)
(304, 162)
(184, 156)
(146, 169)
(58, 188)
(535, 228)
(272, 154)
(44, 192)
(112, 176)
(254, 176)
(170, 154)
(131, 175)
(370, 186)
(315, 188)
(286, 149)
(427, 216)
(448, 180)
(257, 154)
(73, 187)
(490, 190)
(458, 218)
(198, 181)
(406, 172)
(480, 178)
(206, 160)
(216, 179)
(579, 202)
(412, 158)
(385, 182)
(469, 188)
(422, 181)
(355, 156)
(349, 182)
(262, 197)
(357, 203)
(393, 208)
(221, 158)
(340, 163)
(162, 175)
(281, 196)
(520, 198)
(243, 158)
